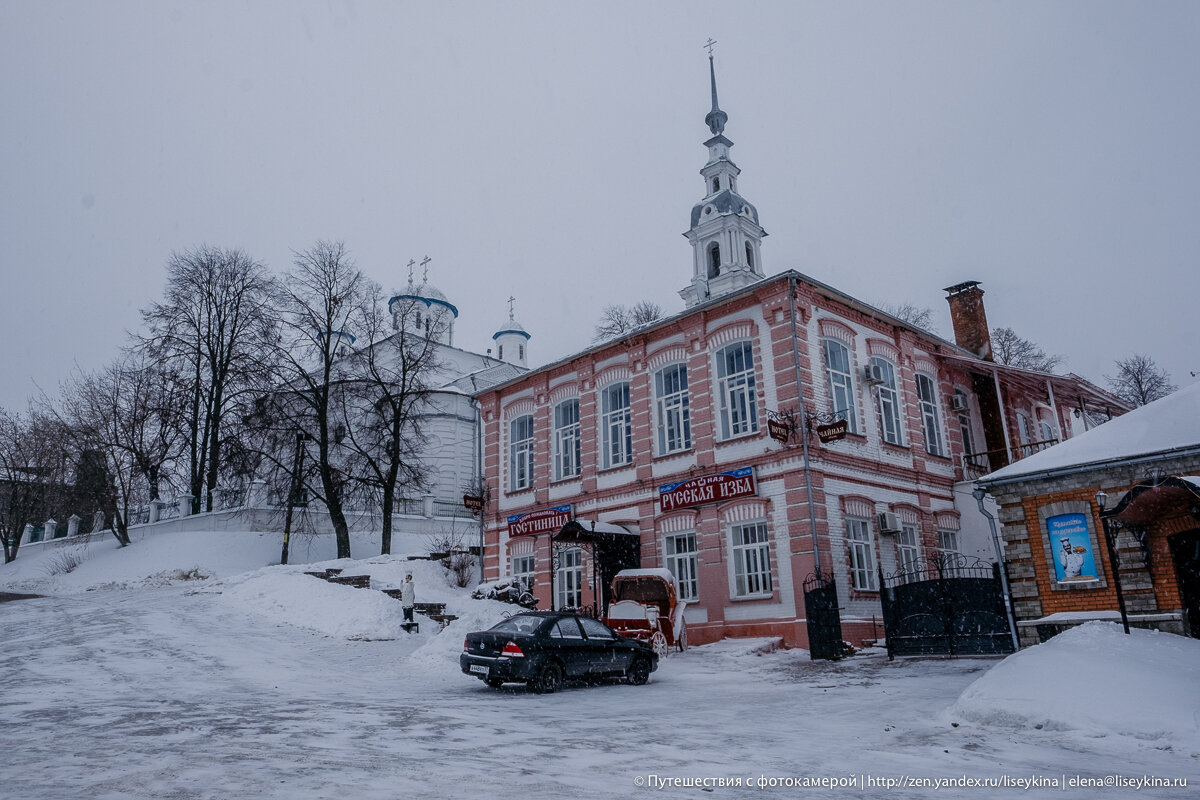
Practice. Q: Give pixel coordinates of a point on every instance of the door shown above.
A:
(567, 642)
(604, 654)
(1185, 550)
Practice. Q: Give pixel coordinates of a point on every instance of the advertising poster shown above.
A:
(1071, 548)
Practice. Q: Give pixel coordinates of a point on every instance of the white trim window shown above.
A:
(908, 547)
(680, 551)
(566, 439)
(841, 383)
(616, 431)
(751, 556)
(674, 414)
(931, 418)
(887, 403)
(964, 421)
(862, 554)
(735, 386)
(948, 542)
(1023, 434)
(568, 588)
(520, 453)
(1049, 434)
(524, 570)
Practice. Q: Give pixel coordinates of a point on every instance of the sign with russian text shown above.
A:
(1071, 548)
(833, 431)
(708, 489)
(778, 429)
(473, 502)
(546, 520)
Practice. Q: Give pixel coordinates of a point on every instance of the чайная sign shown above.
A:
(708, 489)
(546, 520)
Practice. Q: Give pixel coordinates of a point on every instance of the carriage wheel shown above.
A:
(659, 642)
(681, 639)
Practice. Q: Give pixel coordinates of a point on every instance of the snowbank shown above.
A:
(1096, 680)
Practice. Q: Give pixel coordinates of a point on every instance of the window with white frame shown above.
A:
(841, 383)
(964, 420)
(568, 585)
(735, 385)
(930, 416)
(751, 555)
(681, 560)
(887, 403)
(524, 570)
(1023, 433)
(674, 415)
(1048, 432)
(566, 439)
(948, 542)
(520, 453)
(616, 432)
(862, 554)
(908, 546)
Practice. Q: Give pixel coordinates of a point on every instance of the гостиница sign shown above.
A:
(546, 520)
(707, 489)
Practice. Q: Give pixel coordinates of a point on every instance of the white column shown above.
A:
(185, 504)
(51, 528)
(73, 525)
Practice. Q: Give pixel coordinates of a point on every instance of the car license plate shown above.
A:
(480, 669)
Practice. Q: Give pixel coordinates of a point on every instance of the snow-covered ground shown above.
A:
(183, 667)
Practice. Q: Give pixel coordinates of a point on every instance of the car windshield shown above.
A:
(519, 624)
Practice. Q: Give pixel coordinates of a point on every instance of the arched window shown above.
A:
(841, 383)
(566, 439)
(520, 453)
(887, 403)
(749, 256)
(716, 185)
(714, 260)
(735, 389)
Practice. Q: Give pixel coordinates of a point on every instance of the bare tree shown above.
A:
(1139, 380)
(323, 301)
(214, 332)
(618, 320)
(32, 474)
(385, 401)
(914, 315)
(1009, 348)
(125, 413)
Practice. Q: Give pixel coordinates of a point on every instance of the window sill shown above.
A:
(741, 437)
(752, 597)
(616, 467)
(566, 479)
(939, 456)
(673, 454)
(519, 492)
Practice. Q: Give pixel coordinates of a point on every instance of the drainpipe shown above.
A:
(979, 494)
(812, 513)
(479, 472)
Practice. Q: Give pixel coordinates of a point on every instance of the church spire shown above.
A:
(725, 234)
(716, 118)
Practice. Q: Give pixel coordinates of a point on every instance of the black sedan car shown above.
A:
(545, 648)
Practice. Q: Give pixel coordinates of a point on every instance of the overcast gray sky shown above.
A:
(550, 150)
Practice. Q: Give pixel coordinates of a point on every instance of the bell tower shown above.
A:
(725, 235)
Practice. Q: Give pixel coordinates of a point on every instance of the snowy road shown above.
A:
(170, 693)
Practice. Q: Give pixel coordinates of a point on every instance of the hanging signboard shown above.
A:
(707, 489)
(778, 429)
(1071, 548)
(546, 520)
(473, 503)
(833, 431)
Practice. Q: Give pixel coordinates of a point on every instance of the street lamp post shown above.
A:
(1109, 540)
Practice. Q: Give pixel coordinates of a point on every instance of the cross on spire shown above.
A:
(709, 44)
(411, 262)
(425, 263)
(511, 300)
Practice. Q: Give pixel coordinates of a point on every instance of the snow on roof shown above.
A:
(1169, 424)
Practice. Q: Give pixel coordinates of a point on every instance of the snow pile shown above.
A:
(1096, 680)
(303, 601)
(439, 655)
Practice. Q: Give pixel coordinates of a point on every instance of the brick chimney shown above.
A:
(970, 321)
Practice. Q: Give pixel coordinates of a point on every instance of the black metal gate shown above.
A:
(821, 613)
(945, 605)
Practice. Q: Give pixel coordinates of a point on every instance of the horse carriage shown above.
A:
(645, 605)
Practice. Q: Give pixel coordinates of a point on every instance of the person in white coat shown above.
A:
(408, 596)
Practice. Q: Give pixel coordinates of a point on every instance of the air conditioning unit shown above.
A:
(958, 402)
(873, 374)
(888, 522)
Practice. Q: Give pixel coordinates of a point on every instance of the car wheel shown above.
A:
(682, 638)
(639, 671)
(659, 642)
(549, 680)
(494, 683)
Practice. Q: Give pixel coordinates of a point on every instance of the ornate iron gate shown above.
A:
(946, 605)
(823, 620)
